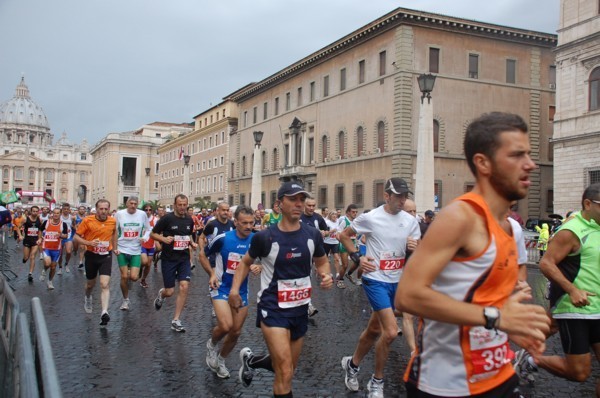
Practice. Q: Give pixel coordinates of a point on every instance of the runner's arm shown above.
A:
(322, 266)
(450, 235)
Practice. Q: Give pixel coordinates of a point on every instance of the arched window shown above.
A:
(275, 159)
(359, 141)
(31, 173)
(341, 151)
(324, 148)
(5, 173)
(381, 136)
(436, 135)
(595, 89)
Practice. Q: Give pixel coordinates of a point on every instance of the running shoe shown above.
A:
(67, 269)
(104, 319)
(222, 371)
(211, 356)
(59, 271)
(158, 302)
(375, 388)
(352, 279)
(246, 373)
(177, 326)
(30, 277)
(80, 267)
(87, 304)
(312, 311)
(43, 276)
(143, 283)
(340, 284)
(50, 285)
(125, 305)
(524, 366)
(350, 379)
(358, 281)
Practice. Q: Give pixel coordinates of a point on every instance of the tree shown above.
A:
(202, 203)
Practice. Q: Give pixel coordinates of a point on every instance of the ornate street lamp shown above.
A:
(426, 83)
(186, 175)
(256, 171)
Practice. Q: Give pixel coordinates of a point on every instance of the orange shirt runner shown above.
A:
(91, 229)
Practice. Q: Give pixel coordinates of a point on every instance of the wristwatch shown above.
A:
(355, 257)
(492, 317)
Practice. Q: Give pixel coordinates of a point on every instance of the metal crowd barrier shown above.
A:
(27, 366)
(533, 253)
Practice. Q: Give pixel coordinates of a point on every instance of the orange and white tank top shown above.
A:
(454, 360)
(51, 235)
(149, 244)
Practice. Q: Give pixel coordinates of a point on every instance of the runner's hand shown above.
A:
(235, 301)
(535, 347)
(411, 244)
(255, 269)
(168, 239)
(579, 298)
(326, 280)
(527, 320)
(367, 263)
(213, 282)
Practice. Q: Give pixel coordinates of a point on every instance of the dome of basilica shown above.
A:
(22, 110)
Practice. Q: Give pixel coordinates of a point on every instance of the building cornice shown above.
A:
(389, 21)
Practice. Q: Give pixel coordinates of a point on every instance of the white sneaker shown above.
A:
(87, 305)
(50, 285)
(350, 378)
(67, 269)
(375, 388)
(125, 305)
(59, 271)
(211, 356)
(43, 276)
(222, 371)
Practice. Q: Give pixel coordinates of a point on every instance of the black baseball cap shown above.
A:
(291, 188)
(397, 185)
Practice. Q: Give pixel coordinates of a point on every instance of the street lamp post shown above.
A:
(425, 177)
(147, 190)
(256, 171)
(186, 175)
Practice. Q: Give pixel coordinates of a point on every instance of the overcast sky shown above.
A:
(102, 66)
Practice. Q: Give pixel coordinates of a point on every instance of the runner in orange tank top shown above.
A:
(460, 279)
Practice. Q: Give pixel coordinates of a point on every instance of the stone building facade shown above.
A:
(127, 164)
(31, 161)
(345, 118)
(207, 146)
(577, 121)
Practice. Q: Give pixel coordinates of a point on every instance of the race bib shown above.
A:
(293, 292)
(32, 232)
(181, 242)
(101, 248)
(489, 352)
(233, 261)
(390, 261)
(51, 236)
(131, 233)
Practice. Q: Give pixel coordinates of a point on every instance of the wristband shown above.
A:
(355, 257)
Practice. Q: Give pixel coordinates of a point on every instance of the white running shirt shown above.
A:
(131, 230)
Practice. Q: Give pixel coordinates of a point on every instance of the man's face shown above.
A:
(410, 207)
(277, 207)
(180, 207)
(190, 212)
(395, 202)
(81, 211)
(45, 211)
(222, 213)
(293, 206)
(148, 211)
(592, 208)
(34, 212)
(132, 206)
(66, 210)
(161, 211)
(257, 214)
(511, 166)
(56, 215)
(204, 212)
(102, 211)
(351, 214)
(309, 207)
(244, 224)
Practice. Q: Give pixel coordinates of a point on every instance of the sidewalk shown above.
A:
(138, 354)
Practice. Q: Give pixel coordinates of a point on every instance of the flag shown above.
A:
(181, 153)
(8, 197)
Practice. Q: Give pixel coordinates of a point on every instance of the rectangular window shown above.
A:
(276, 106)
(342, 79)
(552, 76)
(242, 199)
(339, 196)
(551, 112)
(382, 62)
(254, 116)
(273, 198)
(511, 71)
(361, 71)
(358, 195)
(312, 91)
(288, 101)
(322, 197)
(311, 150)
(434, 60)
(377, 193)
(550, 201)
(594, 176)
(474, 66)
(326, 86)
(245, 120)
(437, 192)
(265, 110)
(299, 101)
